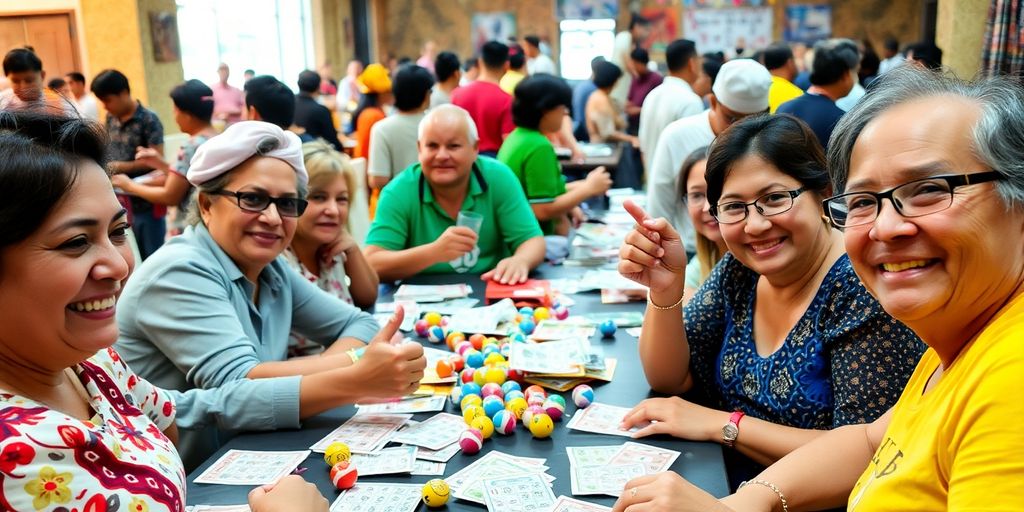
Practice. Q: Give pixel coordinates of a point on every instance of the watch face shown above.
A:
(730, 432)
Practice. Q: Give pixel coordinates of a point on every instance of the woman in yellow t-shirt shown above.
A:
(932, 208)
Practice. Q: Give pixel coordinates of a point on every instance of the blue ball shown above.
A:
(436, 334)
(470, 389)
(513, 393)
(526, 311)
(557, 399)
(475, 360)
(527, 326)
(510, 385)
(492, 405)
(489, 349)
(607, 328)
(517, 337)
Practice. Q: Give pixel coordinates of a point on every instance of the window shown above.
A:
(580, 42)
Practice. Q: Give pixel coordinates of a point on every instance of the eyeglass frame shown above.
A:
(793, 194)
(300, 203)
(954, 181)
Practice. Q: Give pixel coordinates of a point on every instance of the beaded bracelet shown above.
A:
(773, 487)
(663, 308)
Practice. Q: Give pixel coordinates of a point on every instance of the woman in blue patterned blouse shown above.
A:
(782, 342)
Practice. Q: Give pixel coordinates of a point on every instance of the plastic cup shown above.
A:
(471, 220)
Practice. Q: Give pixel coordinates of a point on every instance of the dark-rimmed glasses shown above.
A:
(772, 203)
(912, 199)
(258, 201)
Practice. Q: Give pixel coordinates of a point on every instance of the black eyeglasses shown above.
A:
(912, 199)
(772, 203)
(258, 201)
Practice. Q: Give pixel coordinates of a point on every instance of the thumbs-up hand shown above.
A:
(389, 368)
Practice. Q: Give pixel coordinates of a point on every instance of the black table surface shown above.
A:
(700, 463)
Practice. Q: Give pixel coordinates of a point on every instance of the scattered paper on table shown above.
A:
(250, 467)
(389, 461)
(436, 432)
(426, 467)
(412, 405)
(518, 493)
(654, 459)
(426, 293)
(601, 419)
(364, 433)
(603, 479)
(567, 504)
(591, 455)
(382, 497)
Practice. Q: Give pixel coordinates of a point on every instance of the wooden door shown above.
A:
(51, 35)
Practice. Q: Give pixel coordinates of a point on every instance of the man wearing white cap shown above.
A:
(741, 89)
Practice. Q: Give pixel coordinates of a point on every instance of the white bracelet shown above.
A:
(773, 487)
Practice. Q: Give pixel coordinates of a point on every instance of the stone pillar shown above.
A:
(959, 31)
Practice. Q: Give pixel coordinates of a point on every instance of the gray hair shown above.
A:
(264, 146)
(997, 138)
(449, 112)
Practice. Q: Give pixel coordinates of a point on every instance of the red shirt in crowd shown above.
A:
(491, 110)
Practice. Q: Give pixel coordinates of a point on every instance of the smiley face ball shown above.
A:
(337, 452)
(541, 425)
(435, 493)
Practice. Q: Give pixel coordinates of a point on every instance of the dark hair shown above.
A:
(75, 76)
(534, 41)
(195, 98)
(833, 59)
(403, 61)
(494, 54)
(56, 83)
(110, 82)
(370, 99)
(711, 67)
(640, 55)
(678, 54)
(926, 53)
(309, 81)
(695, 156)
(273, 100)
(605, 74)
(776, 55)
(411, 87)
(516, 57)
(20, 60)
(445, 65)
(39, 163)
(536, 95)
(470, 63)
(636, 19)
(781, 140)
(249, 72)
(891, 44)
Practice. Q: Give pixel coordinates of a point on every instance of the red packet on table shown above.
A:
(533, 292)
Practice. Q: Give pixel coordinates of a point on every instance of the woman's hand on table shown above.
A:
(511, 270)
(289, 493)
(653, 253)
(665, 492)
(389, 367)
(675, 417)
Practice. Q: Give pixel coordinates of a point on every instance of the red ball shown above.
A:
(344, 475)
(471, 441)
(457, 364)
(535, 390)
(515, 375)
(466, 376)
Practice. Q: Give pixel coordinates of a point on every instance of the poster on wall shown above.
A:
(808, 23)
(727, 30)
(664, 27)
(163, 27)
(586, 9)
(492, 26)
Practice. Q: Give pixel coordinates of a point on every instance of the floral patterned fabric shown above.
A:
(119, 460)
(332, 279)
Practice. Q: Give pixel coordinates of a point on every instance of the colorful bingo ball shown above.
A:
(504, 422)
(561, 313)
(583, 396)
(505, 350)
(469, 400)
(526, 311)
(470, 388)
(344, 475)
(435, 493)
(517, 337)
(495, 374)
(535, 399)
(444, 368)
(479, 377)
(488, 350)
(462, 346)
(473, 359)
(492, 389)
(490, 340)
(557, 399)
(421, 327)
(492, 405)
(607, 328)
(445, 320)
(517, 406)
(457, 363)
(553, 409)
(541, 314)
(478, 341)
(433, 318)
(470, 441)
(435, 334)
(535, 390)
(337, 452)
(527, 326)
(515, 375)
(471, 412)
(454, 338)
(513, 394)
(455, 395)
(530, 412)
(484, 425)
(466, 375)
(510, 385)
(541, 425)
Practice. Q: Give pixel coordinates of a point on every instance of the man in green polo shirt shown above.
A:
(414, 230)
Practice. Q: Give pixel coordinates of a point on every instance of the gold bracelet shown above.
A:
(663, 308)
(773, 487)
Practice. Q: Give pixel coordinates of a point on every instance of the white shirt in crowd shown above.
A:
(86, 106)
(673, 99)
(390, 150)
(541, 64)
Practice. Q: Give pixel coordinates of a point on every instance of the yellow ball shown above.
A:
(432, 318)
(541, 425)
(517, 406)
(494, 359)
(490, 340)
(435, 493)
(541, 314)
(469, 400)
(484, 425)
(480, 377)
(337, 452)
(495, 375)
(471, 412)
